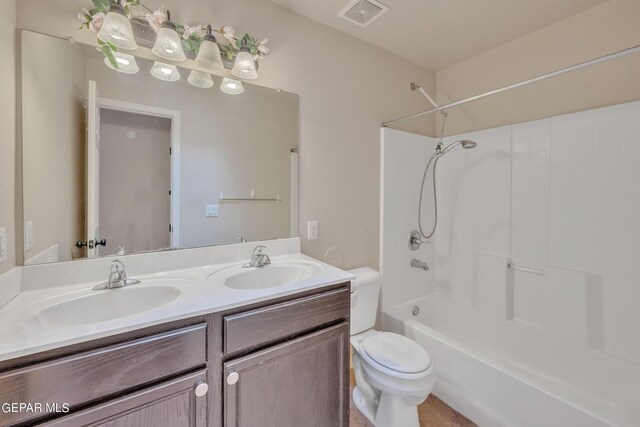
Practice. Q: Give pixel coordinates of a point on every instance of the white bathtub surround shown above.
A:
(195, 278)
(488, 389)
(558, 200)
(403, 156)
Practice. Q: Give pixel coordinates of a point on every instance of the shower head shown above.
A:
(466, 144)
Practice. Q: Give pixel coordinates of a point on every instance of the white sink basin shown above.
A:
(102, 306)
(276, 274)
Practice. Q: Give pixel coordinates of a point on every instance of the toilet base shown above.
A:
(390, 411)
(364, 405)
(394, 411)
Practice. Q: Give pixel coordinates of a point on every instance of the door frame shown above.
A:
(174, 116)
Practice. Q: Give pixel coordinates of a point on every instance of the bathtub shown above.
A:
(487, 390)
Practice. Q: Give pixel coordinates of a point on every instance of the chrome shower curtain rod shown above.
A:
(619, 54)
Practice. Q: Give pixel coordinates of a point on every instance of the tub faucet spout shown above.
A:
(419, 264)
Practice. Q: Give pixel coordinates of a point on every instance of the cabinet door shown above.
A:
(303, 382)
(170, 404)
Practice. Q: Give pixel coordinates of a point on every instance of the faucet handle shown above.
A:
(118, 272)
(259, 249)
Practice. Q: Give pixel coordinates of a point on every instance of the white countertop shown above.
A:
(21, 336)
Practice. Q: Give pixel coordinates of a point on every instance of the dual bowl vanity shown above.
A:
(224, 344)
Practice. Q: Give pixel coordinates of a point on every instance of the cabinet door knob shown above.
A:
(233, 378)
(201, 389)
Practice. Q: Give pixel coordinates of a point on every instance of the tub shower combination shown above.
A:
(529, 317)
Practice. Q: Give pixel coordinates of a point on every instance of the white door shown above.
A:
(93, 171)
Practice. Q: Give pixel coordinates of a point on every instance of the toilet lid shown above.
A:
(397, 352)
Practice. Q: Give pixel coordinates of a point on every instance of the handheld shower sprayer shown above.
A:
(414, 243)
(417, 237)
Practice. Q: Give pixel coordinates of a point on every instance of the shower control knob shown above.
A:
(233, 378)
(415, 240)
(202, 389)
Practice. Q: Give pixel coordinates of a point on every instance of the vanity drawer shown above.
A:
(107, 371)
(266, 325)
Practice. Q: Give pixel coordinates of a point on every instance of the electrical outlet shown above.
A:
(28, 235)
(212, 211)
(312, 230)
(3, 244)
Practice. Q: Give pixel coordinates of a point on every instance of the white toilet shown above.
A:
(393, 373)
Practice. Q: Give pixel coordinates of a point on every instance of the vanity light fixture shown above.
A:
(126, 63)
(165, 72)
(209, 53)
(200, 79)
(245, 67)
(168, 44)
(232, 87)
(117, 29)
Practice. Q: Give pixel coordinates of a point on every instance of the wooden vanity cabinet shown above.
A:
(302, 382)
(172, 403)
(282, 362)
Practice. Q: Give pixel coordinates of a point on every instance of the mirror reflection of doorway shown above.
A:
(140, 207)
(135, 182)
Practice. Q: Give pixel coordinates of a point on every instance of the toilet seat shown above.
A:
(395, 354)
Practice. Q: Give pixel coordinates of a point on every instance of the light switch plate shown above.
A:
(312, 230)
(28, 235)
(212, 211)
(3, 244)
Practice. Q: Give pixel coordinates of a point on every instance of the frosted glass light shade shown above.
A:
(168, 44)
(232, 87)
(200, 79)
(165, 72)
(116, 29)
(209, 55)
(126, 63)
(245, 67)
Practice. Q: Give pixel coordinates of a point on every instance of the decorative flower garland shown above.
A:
(192, 37)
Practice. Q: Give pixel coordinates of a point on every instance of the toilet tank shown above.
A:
(365, 291)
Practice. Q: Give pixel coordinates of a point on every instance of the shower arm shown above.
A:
(606, 58)
(424, 92)
(442, 112)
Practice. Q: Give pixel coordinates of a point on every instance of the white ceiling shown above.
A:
(438, 33)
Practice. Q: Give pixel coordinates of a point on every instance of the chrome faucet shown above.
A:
(117, 278)
(258, 258)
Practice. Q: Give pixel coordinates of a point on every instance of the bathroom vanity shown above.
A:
(280, 361)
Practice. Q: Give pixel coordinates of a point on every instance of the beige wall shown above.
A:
(604, 29)
(7, 129)
(53, 139)
(347, 89)
(135, 179)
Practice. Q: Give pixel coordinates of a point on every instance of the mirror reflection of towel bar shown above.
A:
(223, 199)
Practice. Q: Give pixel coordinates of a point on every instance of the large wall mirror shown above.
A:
(117, 163)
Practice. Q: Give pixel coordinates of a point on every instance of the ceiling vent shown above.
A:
(363, 12)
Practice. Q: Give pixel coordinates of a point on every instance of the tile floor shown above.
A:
(432, 413)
